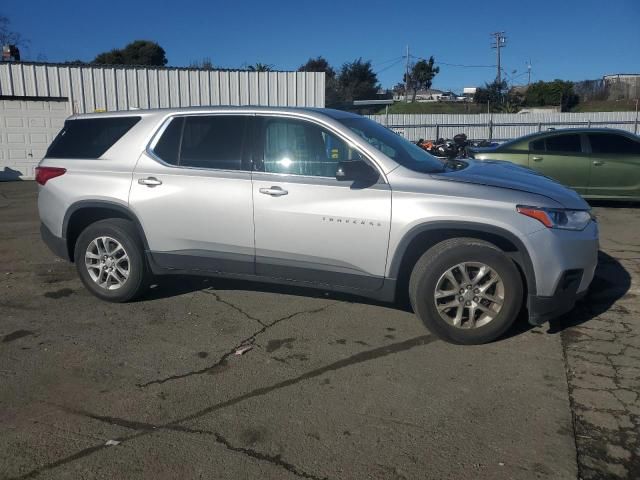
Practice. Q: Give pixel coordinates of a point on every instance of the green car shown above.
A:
(599, 163)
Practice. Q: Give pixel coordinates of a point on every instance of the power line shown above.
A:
(513, 77)
(507, 76)
(465, 66)
(378, 64)
(455, 64)
(390, 66)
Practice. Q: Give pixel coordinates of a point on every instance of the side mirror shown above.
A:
(356, 170)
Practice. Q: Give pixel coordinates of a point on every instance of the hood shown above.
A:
(508, 175)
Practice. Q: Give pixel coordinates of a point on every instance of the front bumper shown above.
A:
(56, 244)
(564, 264)
(542, 309)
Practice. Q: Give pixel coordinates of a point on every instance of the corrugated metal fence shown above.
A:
(97, 88)
(501, 126)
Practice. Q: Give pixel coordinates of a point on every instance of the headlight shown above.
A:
(558, 218)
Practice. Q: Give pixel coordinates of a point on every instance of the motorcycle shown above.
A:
(459, 147)
(446, 149)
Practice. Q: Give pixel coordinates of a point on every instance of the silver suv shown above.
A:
(318, 198)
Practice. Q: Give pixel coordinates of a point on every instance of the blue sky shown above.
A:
(568, 39)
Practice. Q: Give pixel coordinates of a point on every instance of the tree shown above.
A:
(260, 67)
(8, 36)
(138, 52)
(511, 105)
(491, 93)
(514, 100)
(357, 81)
(331, 89)
(11, 38)
(204, 64)
(398, 89)
(112, 57)
(558, 92)
(318, 64)
(421, 76)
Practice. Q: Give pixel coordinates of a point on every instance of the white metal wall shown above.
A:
(27, 128)
(501, 126)
(91, 88)
(36, 98)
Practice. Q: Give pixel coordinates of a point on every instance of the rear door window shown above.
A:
(609, 143)
(564, 143)
(206, 141)
(213, 142)
(89, 137)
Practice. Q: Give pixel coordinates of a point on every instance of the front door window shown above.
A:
(301, 148)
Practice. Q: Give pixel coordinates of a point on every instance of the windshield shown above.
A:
(393, 145)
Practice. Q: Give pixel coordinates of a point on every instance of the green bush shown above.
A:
(558, 92)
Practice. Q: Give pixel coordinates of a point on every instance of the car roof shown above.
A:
(560, 131)
(581, 130)
(313, 111)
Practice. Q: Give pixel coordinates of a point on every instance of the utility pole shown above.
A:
(499, 41)
(529, 72)
(406, 78)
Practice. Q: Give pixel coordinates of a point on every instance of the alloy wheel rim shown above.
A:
(107, 263)
(469, 295)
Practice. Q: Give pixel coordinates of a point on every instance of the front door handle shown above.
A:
(274, 191)
(536, 159)
(150, 181)
(597, 163)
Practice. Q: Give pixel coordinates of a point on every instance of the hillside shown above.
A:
(605, 106)
(453, 107)
(434, 107)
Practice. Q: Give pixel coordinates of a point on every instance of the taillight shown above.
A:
(44, 174)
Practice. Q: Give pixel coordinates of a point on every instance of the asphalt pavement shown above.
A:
(326, 386)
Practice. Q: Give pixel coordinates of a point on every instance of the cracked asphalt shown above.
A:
(329, 386)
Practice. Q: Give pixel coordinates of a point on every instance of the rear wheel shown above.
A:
(466, 291)
(110, 260)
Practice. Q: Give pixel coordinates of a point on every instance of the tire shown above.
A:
(122, 232)
(487, 314)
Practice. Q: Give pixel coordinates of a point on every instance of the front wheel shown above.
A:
(110, 260)
(466, 291)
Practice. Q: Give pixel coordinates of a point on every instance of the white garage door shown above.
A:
(27, 127)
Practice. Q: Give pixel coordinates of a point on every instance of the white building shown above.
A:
(430, 95)
(36, 98)
(622, 85)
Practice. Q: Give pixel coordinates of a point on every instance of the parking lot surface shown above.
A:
(328, 386)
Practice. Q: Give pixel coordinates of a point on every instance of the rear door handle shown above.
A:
(274, 191)
(536, 159)
(150, 181)
(597, 163)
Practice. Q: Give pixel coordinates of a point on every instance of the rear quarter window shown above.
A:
(168, 146)
(89, 137)
(537, 146)
(564, 143)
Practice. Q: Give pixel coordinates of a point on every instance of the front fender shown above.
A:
(440, 230)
